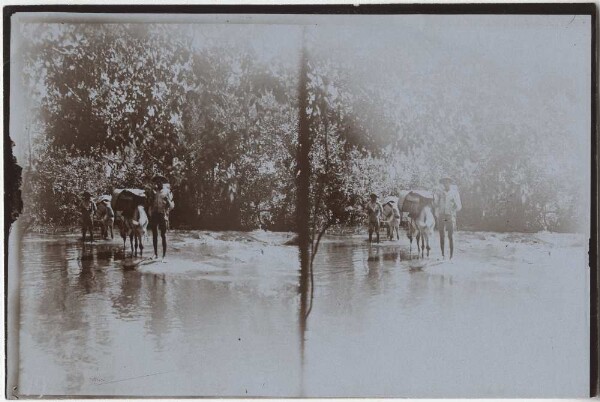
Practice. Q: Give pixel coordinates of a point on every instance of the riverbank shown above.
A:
(208, 253)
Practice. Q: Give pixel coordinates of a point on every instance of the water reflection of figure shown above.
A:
(93, 262)
(392, 255)
(159, 322)
(417, 288)
(105, 255)
(375, 268)
(127, 300)
(379, 254)
(381, 262)
(426, 286)
(373, 255)
(86, 277)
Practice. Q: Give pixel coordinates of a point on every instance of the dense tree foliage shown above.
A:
(114, 104)
(122, 103)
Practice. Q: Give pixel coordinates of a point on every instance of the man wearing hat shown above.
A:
(162, 202)
(374, 211)
(447, 204)
(88, 209)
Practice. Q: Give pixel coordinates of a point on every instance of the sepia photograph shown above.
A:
(383, 203)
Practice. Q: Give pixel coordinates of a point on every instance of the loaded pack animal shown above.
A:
(139, 224)
(131, 217)
(424, 225)
(391, 217)
(124, 228)
(106, 216)
(421, 219)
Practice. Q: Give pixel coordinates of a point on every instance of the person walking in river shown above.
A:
(88, 209)
(161, 203)
(447, 204)
(374, 213)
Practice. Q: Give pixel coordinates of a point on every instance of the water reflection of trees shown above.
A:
(62, 324)
(303, 290)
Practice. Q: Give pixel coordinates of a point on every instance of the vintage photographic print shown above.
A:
(300, 205)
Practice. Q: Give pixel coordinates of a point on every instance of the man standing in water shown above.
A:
(161, 204)
(88, 209)
(447, 205)
(374, 211)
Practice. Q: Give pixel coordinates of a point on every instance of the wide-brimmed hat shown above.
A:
(446, 180)
(159, 179)
(373, 195)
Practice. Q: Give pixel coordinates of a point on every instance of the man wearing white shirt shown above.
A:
(447, 205)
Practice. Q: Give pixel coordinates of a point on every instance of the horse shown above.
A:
(391, 216)
(133, 226)
(106, 218)
(138, 224)
(411, 232)
(124, 227)
(423, 227)
(131, 216)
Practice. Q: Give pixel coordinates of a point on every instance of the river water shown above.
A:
(508, 317)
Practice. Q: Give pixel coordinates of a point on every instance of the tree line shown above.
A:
(111, 105)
